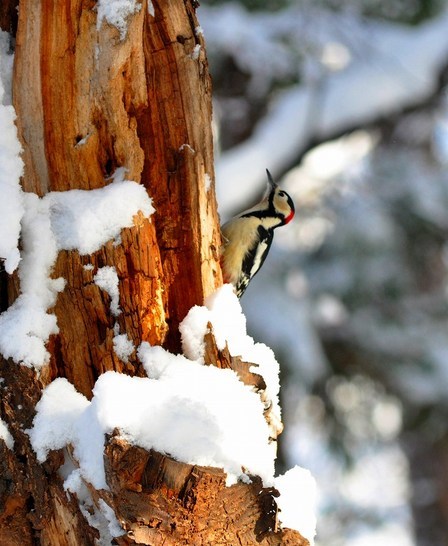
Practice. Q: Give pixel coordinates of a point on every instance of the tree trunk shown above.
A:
(91, 98)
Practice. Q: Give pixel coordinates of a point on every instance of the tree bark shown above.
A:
(8, 16)
(88, 101)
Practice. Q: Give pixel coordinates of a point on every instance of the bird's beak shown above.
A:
(271, 183)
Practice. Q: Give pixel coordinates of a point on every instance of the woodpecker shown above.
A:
(248, 236)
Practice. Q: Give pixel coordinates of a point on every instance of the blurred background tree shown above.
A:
(346, 102)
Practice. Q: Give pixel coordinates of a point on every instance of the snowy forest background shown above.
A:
(345, 101)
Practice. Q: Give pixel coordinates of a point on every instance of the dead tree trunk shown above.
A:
(91, 98)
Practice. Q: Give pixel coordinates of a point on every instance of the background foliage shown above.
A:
(353, 297)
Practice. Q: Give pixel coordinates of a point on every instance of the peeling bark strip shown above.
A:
(176, 129)
(90, 99)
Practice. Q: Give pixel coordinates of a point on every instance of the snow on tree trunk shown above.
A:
(115, 95)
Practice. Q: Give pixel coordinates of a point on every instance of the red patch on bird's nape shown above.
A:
(289, 217)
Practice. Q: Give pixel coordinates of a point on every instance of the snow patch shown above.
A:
(197, 414)
(82, 141)
(298, 501)
(87, 219)
(57, 413)
(26, 326)
(196, 51)
(223, 310)
(101, 517)
(123, 347)
(6, 68)
(187, 147)
(5, 435)
(11, 166)
(77, 219)
(114, 527)
(107, 279)
(116, 13)
(207, 181)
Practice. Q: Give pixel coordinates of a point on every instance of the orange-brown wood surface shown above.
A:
(90, 100)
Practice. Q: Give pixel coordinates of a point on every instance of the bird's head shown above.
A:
(275, 209)
(279, 203)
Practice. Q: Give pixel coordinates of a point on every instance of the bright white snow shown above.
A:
(195, 413)
(123, 347)
(198, 414)
(26, 325)
(222, 309)
(207, 181)
(102, 517)
(196, 51)
(57, 414)
(107, 279)
(86, 219)
(185, 413)
(298, 501)
(5, 435)
(11, 166)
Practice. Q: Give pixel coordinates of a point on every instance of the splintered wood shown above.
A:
(160, 501)
(137, 101)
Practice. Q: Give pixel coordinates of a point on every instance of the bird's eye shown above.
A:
(281, 193)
